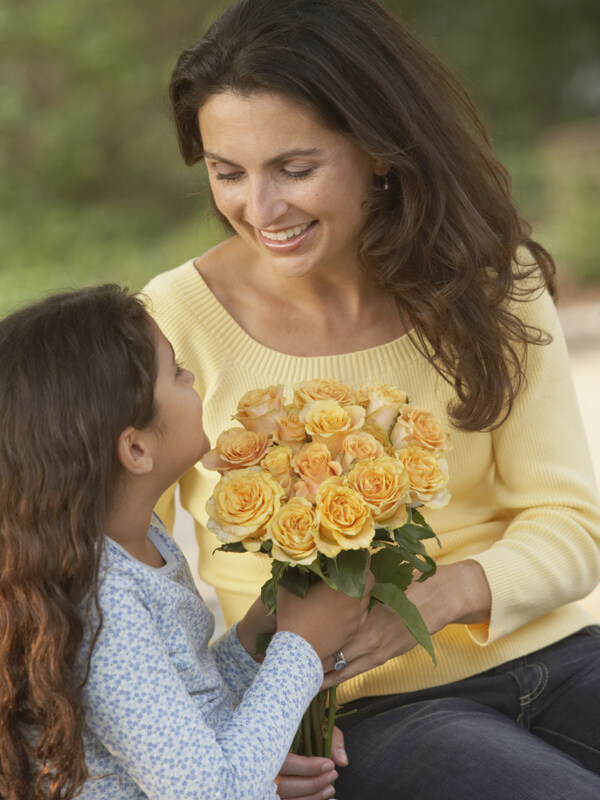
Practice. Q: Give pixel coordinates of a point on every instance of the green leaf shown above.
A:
(296, 580)
(232, 547)
(262, 641)
(417, 531)
(390, 566)
(397, 600)
(268, 594)
(382, 534)
(347, 571)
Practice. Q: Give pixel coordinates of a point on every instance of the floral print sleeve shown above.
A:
(162, 723)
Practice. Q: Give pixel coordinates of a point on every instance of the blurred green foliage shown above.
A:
(93, 187)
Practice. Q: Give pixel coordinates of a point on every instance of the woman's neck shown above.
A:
(315, 314)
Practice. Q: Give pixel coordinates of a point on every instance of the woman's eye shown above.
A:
(178, 368)
(298, 174)
(228, 176)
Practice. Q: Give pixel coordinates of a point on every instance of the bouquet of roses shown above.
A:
(319, 483)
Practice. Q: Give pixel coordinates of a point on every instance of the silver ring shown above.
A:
(340, 660)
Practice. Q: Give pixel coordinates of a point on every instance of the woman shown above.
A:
(374, 239)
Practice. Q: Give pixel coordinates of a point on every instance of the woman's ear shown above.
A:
(381, 168)
(134, 451)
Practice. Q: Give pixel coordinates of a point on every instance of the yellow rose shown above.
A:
(345, 521)
(381, 436)
(242, 504)
(236, 448)
(382, 404)
(278, 462)
(417, 426)
(359, 446)
(258, 409)
(314, 464)
(384, 484)
(428, 476)
(292, 531)
(319, 389)
(328, 422)
(290, 428)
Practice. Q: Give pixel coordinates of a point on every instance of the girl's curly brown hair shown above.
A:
(75, 370)
(445, 239)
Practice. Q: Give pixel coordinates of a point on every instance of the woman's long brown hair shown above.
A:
(75, 370)
(445, 237)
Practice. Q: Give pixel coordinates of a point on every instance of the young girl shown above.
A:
(108, 685)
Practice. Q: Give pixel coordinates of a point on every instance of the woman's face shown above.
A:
(292, 189)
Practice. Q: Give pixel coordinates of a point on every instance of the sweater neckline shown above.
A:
(255, 355)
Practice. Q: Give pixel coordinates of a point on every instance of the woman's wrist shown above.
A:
(256, 620)
(473, 595)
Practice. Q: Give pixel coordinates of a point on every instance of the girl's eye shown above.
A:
(178, 369)
(298, 174)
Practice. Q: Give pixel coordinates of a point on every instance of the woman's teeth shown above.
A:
(281, 236)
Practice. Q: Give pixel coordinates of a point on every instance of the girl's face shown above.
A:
(182, 440)
(292, 189)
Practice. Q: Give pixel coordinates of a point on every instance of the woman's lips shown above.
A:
(286, 239)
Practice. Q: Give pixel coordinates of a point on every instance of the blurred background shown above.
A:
(92, 187)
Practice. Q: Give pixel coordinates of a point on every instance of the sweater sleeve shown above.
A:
(549, 554)
(139, 708)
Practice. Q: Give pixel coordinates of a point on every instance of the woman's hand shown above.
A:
(457, 593)
(304, 778)
(257, 620)
(326, 618)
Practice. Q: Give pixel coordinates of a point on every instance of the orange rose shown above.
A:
(358, 446)
(290, 428)
(345, 521)
(382, 404)
(318, 389)
(259, 408)
(292, 531)
(428, 476)
(236, 448)
(314, 464)
(328, 422)
(417, 426)
(242, 504)
(384, 484)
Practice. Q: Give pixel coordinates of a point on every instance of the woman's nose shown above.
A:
(265, 204)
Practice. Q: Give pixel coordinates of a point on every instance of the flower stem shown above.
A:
(306, 733)
(316, 725)
(330, 721)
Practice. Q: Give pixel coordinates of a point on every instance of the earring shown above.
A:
(386, 183)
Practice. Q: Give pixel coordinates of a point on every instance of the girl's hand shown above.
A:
(304, 778)
(326, 618)
(457, 593)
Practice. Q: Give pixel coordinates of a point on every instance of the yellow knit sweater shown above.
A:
(524, 503)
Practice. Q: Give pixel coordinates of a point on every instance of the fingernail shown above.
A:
(342, 758)
(328, 793)
(328, 766)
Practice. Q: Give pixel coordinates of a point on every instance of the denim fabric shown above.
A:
(527, 730)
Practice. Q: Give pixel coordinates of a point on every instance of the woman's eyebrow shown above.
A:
(284, 156)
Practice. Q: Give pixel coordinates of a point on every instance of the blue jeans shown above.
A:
(527, 730)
